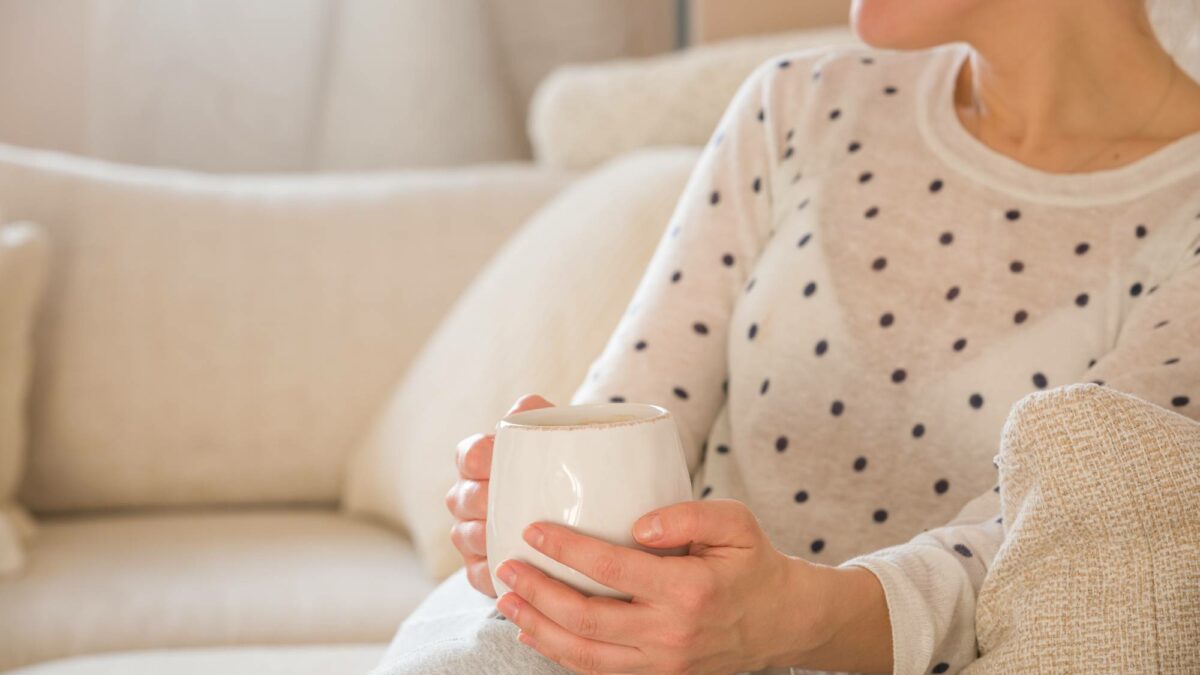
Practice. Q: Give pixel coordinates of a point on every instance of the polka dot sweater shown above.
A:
(852, 293)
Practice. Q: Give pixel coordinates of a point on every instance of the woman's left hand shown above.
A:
(734, 603)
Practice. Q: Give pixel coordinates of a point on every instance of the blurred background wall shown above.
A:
(302, 85)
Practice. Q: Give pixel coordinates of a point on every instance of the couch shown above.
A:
(240, 414)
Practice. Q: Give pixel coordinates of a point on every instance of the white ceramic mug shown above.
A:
(594, 468)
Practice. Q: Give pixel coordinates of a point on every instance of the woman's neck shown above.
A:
(1065, 94)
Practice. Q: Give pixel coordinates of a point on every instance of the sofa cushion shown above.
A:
(532, 322)
(270, 577)
(318, 660)
(1100, 569)
(585, 114)
(23, 251)
(223, 339)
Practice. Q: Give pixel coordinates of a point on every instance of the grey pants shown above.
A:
(458, 630)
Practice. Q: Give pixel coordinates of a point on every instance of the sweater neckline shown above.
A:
(944, 133)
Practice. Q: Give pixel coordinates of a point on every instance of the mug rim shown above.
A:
(521, 421)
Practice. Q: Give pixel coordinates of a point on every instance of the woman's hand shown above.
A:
(468, 498)
(734, 603)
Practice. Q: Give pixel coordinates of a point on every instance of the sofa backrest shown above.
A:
(212, 340)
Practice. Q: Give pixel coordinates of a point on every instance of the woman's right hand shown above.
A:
(468, 499)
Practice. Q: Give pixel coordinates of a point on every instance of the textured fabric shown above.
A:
(321, 660)
(23, 261)
(1100, 572)
(531, 322)
(585, 114)
(458, 630)
(152, 581)
(854, 291)
(214, 340)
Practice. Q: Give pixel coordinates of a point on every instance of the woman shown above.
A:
(877, 255)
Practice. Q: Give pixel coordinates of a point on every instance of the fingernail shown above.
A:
(535, 536)
(507, 574)
(508, 606)
(526, 640)
(650, 529)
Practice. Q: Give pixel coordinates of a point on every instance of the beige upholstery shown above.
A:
(23, 260)
(106, 583)
(585, 114)
(532, 322)
(1100, 571)
(227, 339)
(296, 85)
(318, 660)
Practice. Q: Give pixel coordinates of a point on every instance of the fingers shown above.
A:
(470, 537)
(637, 573)
(468, 500)
(564, 647)
(529, 402)
(474, 456)
(479, 576)
(716, 522)
(596, 618)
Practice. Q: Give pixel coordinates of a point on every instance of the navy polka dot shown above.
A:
(918, 430)
(804, 240)
(960, 344)
(1180, 401)
(641, 344)
(616, 399)
(880, 515)
(889, 90)
(680, 393)
(936, 186)
(676, 276)
(810, 288)
(714, 198)
(941, 486)
(976, 401)
(853, 147)
(707, 491)
(1136, 289)
(887, 319)
(1039, 380)
(766, 384)
(756, 185)
(860, 463)
(1081, 248)
(727, 260)
(941, 667)
(1081, 300)
(722, 449)
(834, 114)
(879, 263)
(821, 348)
(1020, 316)
(898, 375)
(1012, 214)
(963, 550)
(946, 238)
(781, 444)
(801, 496)
(753, 332)
(700, 328)
(952, 293)
(871, 212)
(1139, 231)
(817, 545)
(837, 408)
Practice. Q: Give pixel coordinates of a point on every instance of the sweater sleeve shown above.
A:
(669, 348)
(931, 582)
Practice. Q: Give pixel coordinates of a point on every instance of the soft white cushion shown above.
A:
(584, 114)
(532, 322)
(23, 259)
(215, 339)
(319, 660)
(111, 583)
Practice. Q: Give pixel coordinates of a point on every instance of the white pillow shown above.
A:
(23, 259)
(532, 322)
(228, 339)
(582, 115)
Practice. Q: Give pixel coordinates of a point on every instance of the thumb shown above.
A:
(717, 522)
